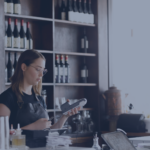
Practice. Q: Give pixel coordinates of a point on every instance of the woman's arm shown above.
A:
(4, 110)
(63, 119)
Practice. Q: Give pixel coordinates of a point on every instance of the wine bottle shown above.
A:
(69, 10)
(5, 38)
(84, 72)
(9, 35)
(61, 70)
(63, 10)
(16, 36)
(75, 9)
(6, 62)
(57, 66)
(9, 67)
(80, 11)
(29, 42)
(91, 15)
(85, 19)
(17, 7)
(15, 61)
(84, 42)
(22, 36)
(10, 6)
(5, 6)
(67, 70)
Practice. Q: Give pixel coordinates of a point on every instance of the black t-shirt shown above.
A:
(9, 99)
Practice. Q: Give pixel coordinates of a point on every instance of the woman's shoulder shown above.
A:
(7, 98)
(7, 93)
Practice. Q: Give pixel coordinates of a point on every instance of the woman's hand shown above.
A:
(42, 124)
(73, 111)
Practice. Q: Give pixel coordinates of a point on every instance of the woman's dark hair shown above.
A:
(27, 57)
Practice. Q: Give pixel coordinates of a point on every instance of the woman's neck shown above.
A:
(26, 88)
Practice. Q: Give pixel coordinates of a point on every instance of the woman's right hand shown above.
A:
(42, 124)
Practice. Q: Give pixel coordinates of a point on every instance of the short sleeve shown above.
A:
(6, 98)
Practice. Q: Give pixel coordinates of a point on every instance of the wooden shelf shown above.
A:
(75, 84)
(49, 19)
(75, 53)
(53, 52)
(73, 23)
(29, 17)
(50, 110)
(44, 84)
(22, 50)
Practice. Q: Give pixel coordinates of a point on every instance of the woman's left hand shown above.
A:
(73, 111)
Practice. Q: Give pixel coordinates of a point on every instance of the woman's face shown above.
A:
(34, 72)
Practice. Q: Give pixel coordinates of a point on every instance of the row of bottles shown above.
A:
(78, 11)
(12, 6)
(62, 70)
(18, 39)
(10, 63)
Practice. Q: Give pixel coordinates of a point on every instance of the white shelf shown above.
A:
(29, 17)
(75, 84)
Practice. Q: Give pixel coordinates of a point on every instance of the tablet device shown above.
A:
(117, 141)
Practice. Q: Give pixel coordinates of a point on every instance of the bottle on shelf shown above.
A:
(9, 67)
(84, 42)
(61, 70)
(16, 36)
(9, 35)
(84, 72)
(57, 68)
(5, 38)
(6, 62)
(5, 6)
(15, 60)
(85, 11)
(69, 10)
(91, 15)
(67, 70)
(22, 36)
(17, 7)
(63, 10)
(75, 9)
(44, 94)
(10, 6)
(80, 11)
(29, 41)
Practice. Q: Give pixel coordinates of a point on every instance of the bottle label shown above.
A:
(87, 44)
(82, 43)
(5, 40)
(29, 44)
(22, 43)
(17, 42)
(17, 8)
(13, 71)
(70, 15)
(63, 16)
(84, 73)
(10, 8)
(56, 71)
(5, 7)
(6, 75)
(9, 42)
(61, 71)
(67, 74)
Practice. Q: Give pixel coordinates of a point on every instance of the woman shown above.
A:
(22, 101)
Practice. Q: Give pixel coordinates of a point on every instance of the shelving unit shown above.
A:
(53, 36)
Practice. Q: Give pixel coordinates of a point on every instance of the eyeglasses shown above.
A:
(44, 71)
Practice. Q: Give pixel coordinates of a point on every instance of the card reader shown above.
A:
(66, 107)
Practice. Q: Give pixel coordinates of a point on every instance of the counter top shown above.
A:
(70, 148)
(144, 138)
